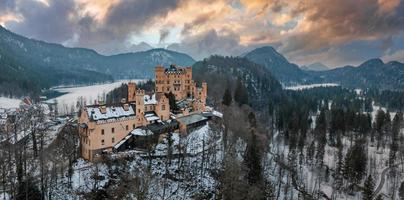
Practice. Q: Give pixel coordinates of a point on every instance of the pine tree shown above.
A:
(240, 94)
(355, 163)
(368, 189)
(172, 101)
(252, 161)
(401, 191)
(227, 99)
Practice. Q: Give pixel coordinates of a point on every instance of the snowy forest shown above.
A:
(318, 143)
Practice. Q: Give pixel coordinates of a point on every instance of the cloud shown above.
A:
(323, 25)
(163, 35)
(301, 28)
(211, 42)
(395, 56)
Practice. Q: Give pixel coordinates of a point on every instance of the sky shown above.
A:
(333, 32)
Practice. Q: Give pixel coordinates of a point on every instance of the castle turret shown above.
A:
(140, 107)
(131, 91)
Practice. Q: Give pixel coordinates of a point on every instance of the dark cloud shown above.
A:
(132, 16)
(343, 22)
(45, 23)
(199, 20)
(7, 6)
(211, 42)
(163, 35)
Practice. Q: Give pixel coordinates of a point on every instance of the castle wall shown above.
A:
(102, 136)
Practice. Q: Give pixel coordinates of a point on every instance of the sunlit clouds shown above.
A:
(303, 30)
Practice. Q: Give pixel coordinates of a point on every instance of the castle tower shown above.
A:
(160, 79)
(131, 91)
(139, 107)
(162, 107)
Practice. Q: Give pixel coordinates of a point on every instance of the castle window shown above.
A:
(163, 107)
(113, 130)
(102, 142)
(127, 127)
(113, 140)
(102, 132)
(134, 126)
(168, 82)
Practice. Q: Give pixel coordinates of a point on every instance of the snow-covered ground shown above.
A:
(90, 93)
(9, 102)
(303, 87)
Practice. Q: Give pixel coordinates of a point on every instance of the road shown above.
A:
(383, 179)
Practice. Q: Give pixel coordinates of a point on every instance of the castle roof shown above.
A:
(94, 113)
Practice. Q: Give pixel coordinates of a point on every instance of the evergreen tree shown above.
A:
(240, 94)
(355, 163)
(28, 190)
(252, 161)
(368, 188)
(172, 101)
(401, 191)
(227, 99)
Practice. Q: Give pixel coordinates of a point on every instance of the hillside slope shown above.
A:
(223, 72)
(370, 74)
(278, 65)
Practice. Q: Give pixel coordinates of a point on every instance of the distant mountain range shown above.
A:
(30, 65)
(315, 67)
(371, 74)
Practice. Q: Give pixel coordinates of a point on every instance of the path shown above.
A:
(383, 179)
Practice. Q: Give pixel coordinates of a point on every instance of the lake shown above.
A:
(68, 100)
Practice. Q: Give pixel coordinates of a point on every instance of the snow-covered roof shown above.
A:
(190, 119)
(111, 112)
(151, 116)
(148, 100)
(141, 132)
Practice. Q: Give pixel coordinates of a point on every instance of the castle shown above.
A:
(101, 126)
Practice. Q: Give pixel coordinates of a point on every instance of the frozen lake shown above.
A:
(67, 102)
(310, 86)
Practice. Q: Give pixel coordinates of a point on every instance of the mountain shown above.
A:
(224, 72)
(278, 65)
(36, 64)
(317, 66)
(142, 46)
(370, 74)
(142, 64)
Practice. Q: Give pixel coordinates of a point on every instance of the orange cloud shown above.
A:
(10, 17)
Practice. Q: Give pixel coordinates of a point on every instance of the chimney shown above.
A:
(126, 107)
(103, 109)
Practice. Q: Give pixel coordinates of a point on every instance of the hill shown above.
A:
(224, 72)
(373, 73)
(286, 72)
